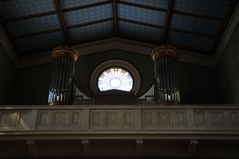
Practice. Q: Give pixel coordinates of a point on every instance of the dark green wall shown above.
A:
(197, 84)
(87, 64)
(228, 71)
(33, 84)
(7, 78)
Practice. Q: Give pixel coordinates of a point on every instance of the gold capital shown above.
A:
(164, 51)
(65, 51)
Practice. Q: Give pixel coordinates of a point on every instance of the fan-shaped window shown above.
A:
(115, 78)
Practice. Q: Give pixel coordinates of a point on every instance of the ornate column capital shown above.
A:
(164, 50)
(65, 51)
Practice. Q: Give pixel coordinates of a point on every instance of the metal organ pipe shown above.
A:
(165, 58)
(60, 91)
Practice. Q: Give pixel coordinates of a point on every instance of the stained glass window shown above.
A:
(115, 78)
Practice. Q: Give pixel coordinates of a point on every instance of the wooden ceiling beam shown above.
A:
(38, 33)
(86, 6)
(116, 18)
(173, 11)
(89, 23)
(167, 21)
(60, 29)
(142, 6)
(172, 29)
(141, 23)
(55, 12)
(198, 15)
(192, 33)
(62, 21)
(31, 16)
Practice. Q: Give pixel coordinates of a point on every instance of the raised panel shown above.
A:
(24, 119)
(43, 119)
(76, 119)
(234, 119)
(127, 119)
(148, 119)
(201, 120)
(60, 119)
(164, 119)
(9, 119)
(180, 119)
(217, 119)
(95, 119)
(111, 119)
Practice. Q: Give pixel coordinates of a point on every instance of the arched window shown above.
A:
(115, 78)
(115, 75)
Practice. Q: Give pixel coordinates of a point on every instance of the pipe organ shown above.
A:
(166, 88)
(62, 78)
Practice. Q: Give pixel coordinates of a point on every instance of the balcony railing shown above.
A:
(144, 119)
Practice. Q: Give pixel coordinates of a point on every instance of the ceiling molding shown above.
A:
(231, 26)
(141, 48)
(8, 48)
(108, 44)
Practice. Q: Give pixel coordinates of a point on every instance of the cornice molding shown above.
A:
(231, 26)
(8, 48)
(122, 44)
(141, 48)
(99, 46)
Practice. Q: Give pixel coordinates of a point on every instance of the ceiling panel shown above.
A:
(191, 41)
(18, 8)
(213, 8)
(88, 15)
(189, 23)
(154, 3)
(76, 3)
(142, 15)
(91, 32)
(34, 25)
(140, 32)
(26, 45)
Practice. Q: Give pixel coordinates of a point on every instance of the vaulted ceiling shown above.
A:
(34, 26)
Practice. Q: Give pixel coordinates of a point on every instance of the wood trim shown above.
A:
(227, 34)
(118, 43)
(62, 21)
(115, 17)
(167, 21)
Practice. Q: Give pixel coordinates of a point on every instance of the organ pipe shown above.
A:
(166, 88)
(60, 91)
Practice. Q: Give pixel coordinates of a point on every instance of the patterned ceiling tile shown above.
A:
(214, 8)
(92, 32)
(142, 15)
(89, 14)
(141, 32)
(40, 41)
(155, 3)
(17, 8)
(192, 41)
(193, 24)
(34, 25)
(76, 3)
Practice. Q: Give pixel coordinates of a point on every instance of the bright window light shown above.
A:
(115, 78)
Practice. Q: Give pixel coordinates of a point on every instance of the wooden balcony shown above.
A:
(95, 130)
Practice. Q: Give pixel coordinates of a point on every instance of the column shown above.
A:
(60, 91)
(166, 88)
